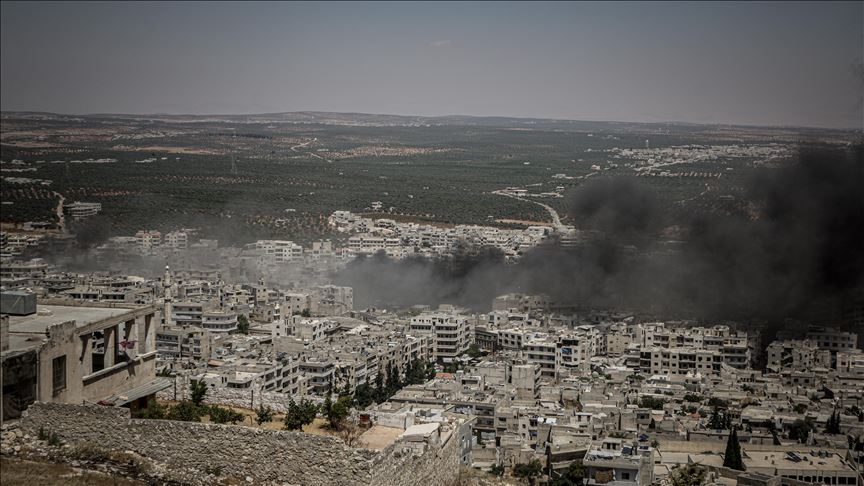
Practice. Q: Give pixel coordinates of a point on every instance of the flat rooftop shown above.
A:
(22, 329)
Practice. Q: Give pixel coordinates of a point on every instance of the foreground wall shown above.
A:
(267, 456)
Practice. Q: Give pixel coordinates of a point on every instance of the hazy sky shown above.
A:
(767, 63)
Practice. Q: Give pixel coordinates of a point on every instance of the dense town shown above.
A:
(531, 389)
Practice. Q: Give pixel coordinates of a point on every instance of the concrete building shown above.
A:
(82, 210)
(183, 343)
(187, 313)
(791, 355)
(280, 251)
(619, 462)
(331, 300)
(451, 334)
(219, 321)
(679, 361)
(832, 339)
(177, 240)
(75, 354)
(147, 240)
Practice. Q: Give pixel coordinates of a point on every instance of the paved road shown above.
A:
(556, 220)
(304, 144)
(61, 218)
(313, 154)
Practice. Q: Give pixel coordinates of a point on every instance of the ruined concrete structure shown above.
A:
(79, 354)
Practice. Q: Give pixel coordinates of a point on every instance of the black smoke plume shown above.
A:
(796, 240)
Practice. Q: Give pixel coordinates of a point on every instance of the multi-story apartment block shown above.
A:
(219, 321)
(181, 343)
(735, 347)
(147, 240)
(187, 313)
(279, 251)
(177, 240)
(451, 333)
(832, 339)
(545, 353)
(370, 243)
(319, 375)
(296, 303)
(791, 355)
(851, 361)
(305, 329)
(331, 300)
(82, 210)
(679, 361)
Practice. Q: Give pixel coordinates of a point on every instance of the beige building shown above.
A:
(77, 354)
(451, 333)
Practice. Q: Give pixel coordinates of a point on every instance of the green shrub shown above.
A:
(220, 415)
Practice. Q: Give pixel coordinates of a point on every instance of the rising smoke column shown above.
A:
(801, 243)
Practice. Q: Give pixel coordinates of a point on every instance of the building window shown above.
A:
(58, 373)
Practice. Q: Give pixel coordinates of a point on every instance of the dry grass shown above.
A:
(28, 473)
(317, 427)
(379, 437)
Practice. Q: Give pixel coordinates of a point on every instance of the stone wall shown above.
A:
(236, 397)
(260, 455)
(438, 465)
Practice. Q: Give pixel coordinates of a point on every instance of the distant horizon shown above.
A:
(780, 64)
(403, 115)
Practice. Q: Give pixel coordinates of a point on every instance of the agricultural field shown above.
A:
(241, 178)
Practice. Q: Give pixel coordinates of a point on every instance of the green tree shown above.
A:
(574, 475)
(530, 471)
(474, 351)
(263, 414)
(800, 408)
(692, 397)
(415, 372)
(732, 458)
(299, 415)
(430, 370)
(197, 392)
(154, 410)
(380, 392)
(652, 403)
(337, 411)
(363, 396)
(305, 313)
(800, 430)
(717, 402)
(496, 470)
(717, 420)
(327, 406)
(224, 415)
(833, 424)
(185, 411)
(393, 383)
(242, 324)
